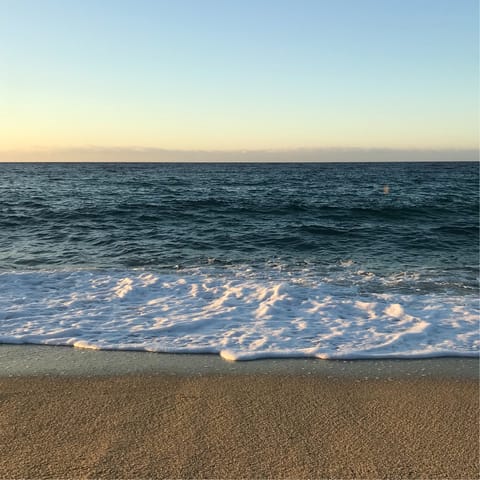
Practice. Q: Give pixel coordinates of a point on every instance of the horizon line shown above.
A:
(97, 154)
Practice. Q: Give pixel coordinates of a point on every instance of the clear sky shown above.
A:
(239, 74)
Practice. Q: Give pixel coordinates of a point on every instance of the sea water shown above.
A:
(245, 260)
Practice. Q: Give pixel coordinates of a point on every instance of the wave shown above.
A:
(239, 314)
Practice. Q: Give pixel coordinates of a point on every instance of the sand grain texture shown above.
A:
(253, 426)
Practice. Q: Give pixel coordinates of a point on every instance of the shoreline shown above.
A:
(38, 360)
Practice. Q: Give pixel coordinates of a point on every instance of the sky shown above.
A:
(249, 75)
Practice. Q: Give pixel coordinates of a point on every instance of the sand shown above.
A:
(238, 426)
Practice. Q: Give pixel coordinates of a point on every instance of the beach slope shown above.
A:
(238, 426)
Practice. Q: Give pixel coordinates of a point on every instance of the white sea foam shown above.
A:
(238, 316)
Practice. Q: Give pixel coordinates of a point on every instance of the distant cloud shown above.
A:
(138, 154)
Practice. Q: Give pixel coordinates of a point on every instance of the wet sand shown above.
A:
(238, 426)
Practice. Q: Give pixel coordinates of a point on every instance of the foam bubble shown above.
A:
(394, 310)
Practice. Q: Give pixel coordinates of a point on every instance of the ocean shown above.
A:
(324, 260)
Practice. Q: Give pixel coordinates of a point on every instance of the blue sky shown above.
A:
(224, 74)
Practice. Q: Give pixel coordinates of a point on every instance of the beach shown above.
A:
(239, 240)
(208, 423)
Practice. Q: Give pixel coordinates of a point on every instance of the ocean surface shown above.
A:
(244, 260)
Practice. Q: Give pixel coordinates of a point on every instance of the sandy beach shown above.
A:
(238, 426)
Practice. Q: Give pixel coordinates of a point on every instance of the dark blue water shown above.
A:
(184, 215)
